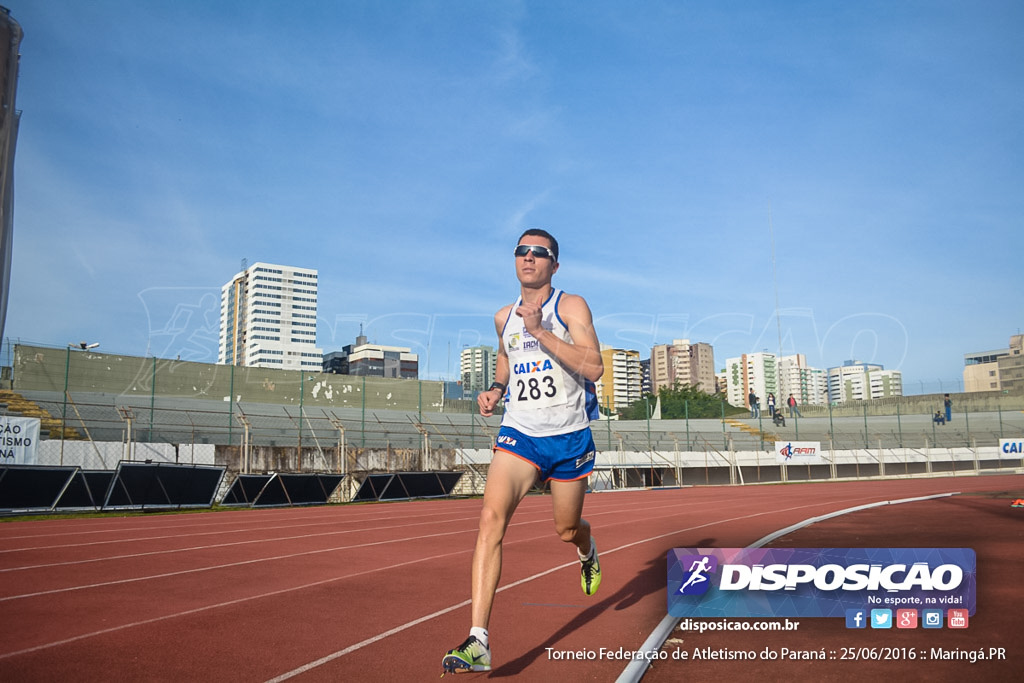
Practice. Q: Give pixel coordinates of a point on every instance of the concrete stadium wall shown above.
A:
(104, 455)
(286, 459)
(37, 368)
(923, 404)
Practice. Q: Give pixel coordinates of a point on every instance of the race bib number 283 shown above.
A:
(536, 383)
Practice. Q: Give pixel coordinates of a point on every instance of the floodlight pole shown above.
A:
(244, 458)
(127, 415)
(302, 391)
(67, 373)
(342, 458)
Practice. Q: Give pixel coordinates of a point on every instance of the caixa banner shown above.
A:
(817, 582)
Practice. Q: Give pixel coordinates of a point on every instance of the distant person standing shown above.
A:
(949, 408)
(755, 409)
(771, 405)
(793, 409)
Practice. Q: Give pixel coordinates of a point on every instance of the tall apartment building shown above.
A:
(683, 363)
(999, 370)
(858, 381)
(364, 359)
(808, 385)
(477, 365)
(752, 371)
(622, 381)
(268, 318)
(10, 117)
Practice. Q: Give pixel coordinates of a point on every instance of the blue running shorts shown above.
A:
(563, 457)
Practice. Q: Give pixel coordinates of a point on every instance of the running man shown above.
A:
(548, 359)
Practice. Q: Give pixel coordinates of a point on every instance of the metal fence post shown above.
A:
(867, 441)
(725, 438)
(231, 404)
(302, 394)
(899, 424)
(64, 412)
(152, 401)
(967, 424)
(686, 411)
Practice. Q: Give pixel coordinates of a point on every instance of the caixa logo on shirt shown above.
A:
(532, 366)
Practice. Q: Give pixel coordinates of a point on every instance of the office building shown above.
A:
(681, 363)
(10, 117)
(998, 370)
(622, 382)
(808, 385)
(858, 381)
(757, 372)
(476, 368)
(268, 318)
(373, 360)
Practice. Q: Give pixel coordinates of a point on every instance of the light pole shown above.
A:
(84, 346)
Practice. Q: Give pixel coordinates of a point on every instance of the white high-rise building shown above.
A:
(857, 381)
(268, 318)
(757, 372)
(622, 381)
(477, 365)
(808, 385)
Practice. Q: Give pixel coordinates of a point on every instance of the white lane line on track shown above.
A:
(253, 516)
(474, 518)
(219, 605)
(352, 648)
(635, 670)
(224, 566)
(215, 533)
(258, 560)
(604, 553)
(539, 502)
(231, 544)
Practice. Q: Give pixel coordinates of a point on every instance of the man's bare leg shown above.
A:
(508, 480)
(567, 501)
(567, 504)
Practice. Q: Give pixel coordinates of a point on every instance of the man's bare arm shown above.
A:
(583, 355)
(487, 400)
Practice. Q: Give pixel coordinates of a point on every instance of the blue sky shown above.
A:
(400, 148)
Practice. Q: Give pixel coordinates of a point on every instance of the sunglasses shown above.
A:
(535, 249)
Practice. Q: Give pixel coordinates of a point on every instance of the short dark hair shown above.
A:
(537, 232)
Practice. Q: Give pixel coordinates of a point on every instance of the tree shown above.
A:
(678, 402)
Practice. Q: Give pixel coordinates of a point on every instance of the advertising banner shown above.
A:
(1011, 448)
(18, 439)
(817, 582)
(798, 453)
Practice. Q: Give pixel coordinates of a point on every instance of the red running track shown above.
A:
(379, 591)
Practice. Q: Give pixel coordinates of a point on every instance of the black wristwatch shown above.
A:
(499, 386)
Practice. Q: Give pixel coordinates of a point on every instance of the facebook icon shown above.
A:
(856, 618)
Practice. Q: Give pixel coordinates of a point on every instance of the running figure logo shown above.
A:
(698, 567)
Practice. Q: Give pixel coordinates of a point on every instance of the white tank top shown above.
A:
(543, 398)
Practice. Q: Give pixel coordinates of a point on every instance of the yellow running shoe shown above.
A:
(472, 655)
(590, 573)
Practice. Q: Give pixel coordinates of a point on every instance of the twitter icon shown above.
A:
(881, 618)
